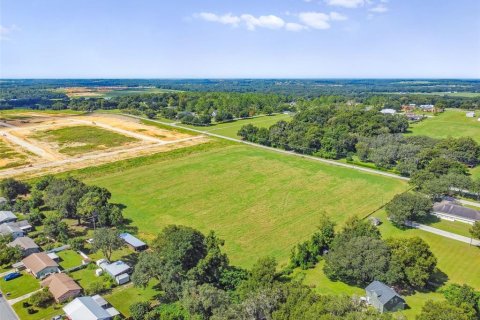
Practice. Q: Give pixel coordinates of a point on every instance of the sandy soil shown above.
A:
(44, 157)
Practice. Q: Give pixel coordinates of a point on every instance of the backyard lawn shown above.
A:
(260, 202)
(124, 296)
(69, 259)
(451, 123)
(41, 314)
(19, 286)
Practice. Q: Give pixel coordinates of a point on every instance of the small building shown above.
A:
(7, 216)
(414, 117)
(384, 298)
(427, 108)
(409, 107)
(40, 265)
(116, 269)
(3, 200)
(18, 266)
(24, 225)
(27, 245)
(470, 114)
(375, 221)
(123, 278)
(87, 308)
(388, 111)
(62, 287)
(7, 229)
(133, 242)
(454, 212)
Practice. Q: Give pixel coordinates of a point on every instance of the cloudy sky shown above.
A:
(239, 38)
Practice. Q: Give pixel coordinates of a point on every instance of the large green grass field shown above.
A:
(451, 123)
(230, 129)
(82, 139)
(261, 202)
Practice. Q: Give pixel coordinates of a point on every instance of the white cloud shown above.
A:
(337, 16)
(316, 20)
(291, 26)
(5, 32)
(224, 19)
(346, 3)
(381, 8)
(270, 21)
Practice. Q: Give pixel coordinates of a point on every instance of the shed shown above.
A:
(384, 298)
(133, 242)
(470, 114)
(123, 278)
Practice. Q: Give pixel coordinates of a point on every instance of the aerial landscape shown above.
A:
(273, 160)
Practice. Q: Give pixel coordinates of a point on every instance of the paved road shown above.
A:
(470, 203)
(445, 234)
(6, 312)
(331, 162)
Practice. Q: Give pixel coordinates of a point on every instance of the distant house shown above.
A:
(453, 212)
(470, 114)
(133, 242)
(388, 111)
(375, 221)
(24, 225)
(414, 117)
(40, 265)
(427, 108)
(61, 286)
(384, 298)
(409, 107)
(7, 216)
(27, 245)
(89, 308)
(118, 270)
(9, 229)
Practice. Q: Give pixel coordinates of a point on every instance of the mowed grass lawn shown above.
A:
(451, 123)
(19, 286)
(81, 139)
(69, 259)
(261, 202)
(230, 129)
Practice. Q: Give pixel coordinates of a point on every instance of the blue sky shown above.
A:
(239, 38)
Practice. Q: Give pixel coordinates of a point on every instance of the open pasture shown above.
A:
(261, 202)
(451, 123)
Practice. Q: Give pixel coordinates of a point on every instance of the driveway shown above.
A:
(6, 312)
(442, 233)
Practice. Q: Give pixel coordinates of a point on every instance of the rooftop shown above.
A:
(38, 261)
(7, 216)
(116, 268)
(85, 308)
(9, 228)
(60, 284)
(456, 210)
(131, 240)
(382, 291)
(24, 242)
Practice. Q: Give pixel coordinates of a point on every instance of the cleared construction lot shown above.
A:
(34, 143)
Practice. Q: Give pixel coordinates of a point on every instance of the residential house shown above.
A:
(7, 216)
(384, 298)
(24, 225)
(9, 229)
(40, 265)
(133, 242)
(409, 107)
(388, 111)
(117, 270)
(27, 245)
(453, 212)
(62, 287)
(88, 308)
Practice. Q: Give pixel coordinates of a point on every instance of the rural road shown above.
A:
(442, 233)
(331, 162)
(6, 312)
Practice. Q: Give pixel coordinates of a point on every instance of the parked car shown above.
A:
(12, 276)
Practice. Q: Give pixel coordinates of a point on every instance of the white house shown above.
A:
(89, 308)
(452, 212)
(470, 114)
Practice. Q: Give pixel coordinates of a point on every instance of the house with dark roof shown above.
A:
(384, 298)
(453, 212)
(26, 244)
(133, 242)
(7, 216)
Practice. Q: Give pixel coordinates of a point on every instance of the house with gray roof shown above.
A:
(27, 245)
(384, 298)
(88, 308)
(9, 229)
(453, 212)
(118, 270)
(7, 216)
